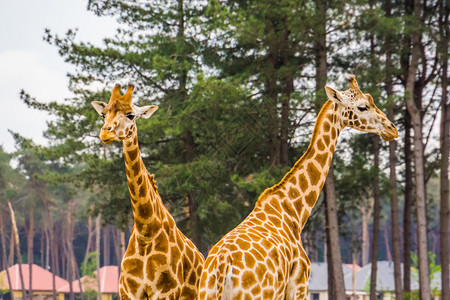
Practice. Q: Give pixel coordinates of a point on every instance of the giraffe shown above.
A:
(263, 257)
(160, 261)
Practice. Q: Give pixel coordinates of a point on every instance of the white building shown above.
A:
(357, 284)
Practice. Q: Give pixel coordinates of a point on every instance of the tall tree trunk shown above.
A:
(17, 246)
(97, 249)
(444, 222)
(395, 216)
(30, 249)
(89, 242)
(51, 245)
(56, 248)
(335, 255)
(320, 49)
(407, 212)
(54, 260)
(387, 247)
(188, 139)
(365, 238)
(69, 246)
(416, 120)
(395, 228)
(284, 131)
(336, 287)
(106, 245)
(42, 250)
(11, 249)
(408, 195)
(4, 257)
(288, 79)
(117, 246)
(327, 254)
(376, 218)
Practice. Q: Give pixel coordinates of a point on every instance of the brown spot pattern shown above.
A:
(313, 173)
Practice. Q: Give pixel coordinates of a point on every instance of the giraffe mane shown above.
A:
(283, 181)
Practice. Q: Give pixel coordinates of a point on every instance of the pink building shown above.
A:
(42, 281)
(109, 283)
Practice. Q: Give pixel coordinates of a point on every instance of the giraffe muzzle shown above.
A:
(107, 137)
(390, 132)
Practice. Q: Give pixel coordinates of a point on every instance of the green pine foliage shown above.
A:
(234, 82)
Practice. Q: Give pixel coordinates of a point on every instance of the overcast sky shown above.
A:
(29, 63)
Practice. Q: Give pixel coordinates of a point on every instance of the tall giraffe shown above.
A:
(160, 262)
(263, 257)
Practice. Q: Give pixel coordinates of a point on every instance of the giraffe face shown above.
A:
(120, 115)
(360, 112)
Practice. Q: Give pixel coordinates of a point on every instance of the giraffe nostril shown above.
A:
(107, 128)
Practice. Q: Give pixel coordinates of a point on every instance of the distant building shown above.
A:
(109, 284)
(42, 281)
(318, 282)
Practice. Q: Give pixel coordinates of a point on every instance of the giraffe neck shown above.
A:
(148, 209)
(297, 193)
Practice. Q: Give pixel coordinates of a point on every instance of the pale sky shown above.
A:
(29, 63)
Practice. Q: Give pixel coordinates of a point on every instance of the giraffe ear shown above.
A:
(99, 106)
(147, 111)
(335, 95)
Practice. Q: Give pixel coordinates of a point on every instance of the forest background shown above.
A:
(238, 85)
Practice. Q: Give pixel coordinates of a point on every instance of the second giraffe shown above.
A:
(263, 257)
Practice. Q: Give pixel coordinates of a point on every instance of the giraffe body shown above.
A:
(263, 257)
(160, 261)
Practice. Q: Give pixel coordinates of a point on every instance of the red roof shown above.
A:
(109, 281)
(42, 280)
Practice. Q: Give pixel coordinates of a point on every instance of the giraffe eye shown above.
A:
(363, 108)
(131, 117)
(103, 116)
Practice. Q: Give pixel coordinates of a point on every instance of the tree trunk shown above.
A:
(43, 264)
(320, 49)
(30, 249)
(188, 139)
(387, 247)
(335, 255)
(106, 245)
(407, 212)
(17, 244)
(89, 241)
(288, 79)
(4, 257)
(327, 254)
(444, 222)
(395, 221)
(51, 244)
(395, 218)
(376, 218)
(193, 218)
(69, 246)
(97, 249)
(11, 249)
(354, 296)
(284, 131)
(365, 238)
(416, 120)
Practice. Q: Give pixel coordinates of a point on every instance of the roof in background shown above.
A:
(109, 281)
(318, 281)
(385, 277)
(42, 280)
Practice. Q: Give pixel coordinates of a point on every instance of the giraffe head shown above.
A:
(360, 112)
(120, 115)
